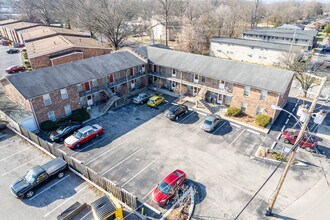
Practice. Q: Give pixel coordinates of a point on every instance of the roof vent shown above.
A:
(54, 42)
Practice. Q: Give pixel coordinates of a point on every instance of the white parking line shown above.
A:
(217, 129)
(86, 215)
(6, 145)
(20, 166)
(38, 194)
(252, 131)
(237, 137)
(122, 161)
(283, 128)
(197, 125)
(15, 154)
(65, 201)
(274, 144)
(104, 153)
(236, 125)
(152, 208)
(140, 171)
(186, 117)
(91, 145)
(279, 136)
(286, 122)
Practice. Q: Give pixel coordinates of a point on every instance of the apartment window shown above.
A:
(263, 94)
(247, 90)
(80, 88)
(173, 72)
(51, 116)
(243, 106)
(94, 82)
(203, 78)
(260, 110)
(250, 55)
(64, 94)
(47, 100)
(67, 110)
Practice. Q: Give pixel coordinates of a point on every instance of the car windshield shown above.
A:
(164, 188)
(78, 135)
(60, 130)
(30, 177)
(208, 122)
(151, 101)
(173, 108)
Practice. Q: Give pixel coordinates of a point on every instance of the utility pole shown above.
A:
(295, 148)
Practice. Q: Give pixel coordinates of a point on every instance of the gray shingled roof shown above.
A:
(45, 80)
(261, 77)
(255, 43)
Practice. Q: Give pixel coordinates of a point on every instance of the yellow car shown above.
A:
(155, 100)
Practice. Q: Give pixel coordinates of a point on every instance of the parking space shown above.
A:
(140, 147)
(8, 60)
(17, 156)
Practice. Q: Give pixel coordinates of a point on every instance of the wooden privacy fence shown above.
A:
(87, 172)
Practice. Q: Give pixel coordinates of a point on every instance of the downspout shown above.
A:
(34, 114)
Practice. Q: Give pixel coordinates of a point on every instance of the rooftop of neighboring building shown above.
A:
(58, 43)
(21, 25)
(8, 21)
(277, 32)
(45, 80)
(292, 27)
(44, 31)
(256, 43)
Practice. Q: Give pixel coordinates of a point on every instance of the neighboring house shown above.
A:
(158, 31)
(41, 32)
(292, 27)
(52, 93)
(11, 31)
(252, 51)
(297, 37)
(60, 49)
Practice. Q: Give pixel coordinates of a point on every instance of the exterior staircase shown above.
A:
(200, 100)
(113, 98)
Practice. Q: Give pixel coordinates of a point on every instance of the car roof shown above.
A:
(211, 118)
(86, 128)
(155, 97)
(142, 93)
(172, 178)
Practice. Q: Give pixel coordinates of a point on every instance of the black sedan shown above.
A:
(10, 51)
(64, 131)
(176, 111)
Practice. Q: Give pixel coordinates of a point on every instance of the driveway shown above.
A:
(8, 60)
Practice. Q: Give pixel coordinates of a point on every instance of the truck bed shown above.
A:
(54, 166)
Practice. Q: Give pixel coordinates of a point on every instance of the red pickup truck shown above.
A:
(307, 142)
(14, 69)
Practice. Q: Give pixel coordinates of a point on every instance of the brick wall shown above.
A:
(57, 104)
(253, 100)
(15, 95)
(92, 52)
(66, 58)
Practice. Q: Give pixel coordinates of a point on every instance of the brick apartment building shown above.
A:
(61, 49)
(52, 93)
(11, 31)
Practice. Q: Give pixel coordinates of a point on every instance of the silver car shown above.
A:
(141, 98)
(210, 123)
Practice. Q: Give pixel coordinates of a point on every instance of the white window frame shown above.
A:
(173, 72)
(244, 105)
(64, 94)
(80, 87)
(247, 90)
(46, 97)
(262, 96)
(67, 113)
(260, 110)
(94, 83)
(51, 117)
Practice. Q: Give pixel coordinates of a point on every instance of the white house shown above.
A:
(252, 51)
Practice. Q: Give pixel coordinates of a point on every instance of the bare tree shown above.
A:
(166, 11)
(254, 23)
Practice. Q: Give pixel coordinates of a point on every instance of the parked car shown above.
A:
(38, 176)
(141, 98)
(83, 135)
(166, 189)
(13, 50)
(176, 111)
(308, 142)
(64, 131)
(6, 43)
(155, 100)
(14, 69)
(210, 123)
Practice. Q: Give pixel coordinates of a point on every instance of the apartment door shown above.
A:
(131, 72)
(89, 100)
(110, 78)
(220, 99)
(87, 86)
(195, 91)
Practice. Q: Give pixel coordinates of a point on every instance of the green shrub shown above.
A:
(80, 115)
(278, 156)
(48, 126)
(232, 111)
(262, 120)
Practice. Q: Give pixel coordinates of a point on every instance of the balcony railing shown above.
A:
(112, 84)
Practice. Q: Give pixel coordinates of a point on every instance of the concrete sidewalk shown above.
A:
(314, 204)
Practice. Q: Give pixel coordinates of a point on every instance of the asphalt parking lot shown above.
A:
(140, 147)
(8, 60)
(17, 156)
